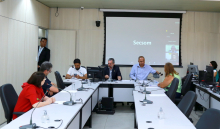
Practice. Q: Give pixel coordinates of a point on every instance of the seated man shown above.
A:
(46, 68)
(77, 71)
(141, 71)
(112, 71)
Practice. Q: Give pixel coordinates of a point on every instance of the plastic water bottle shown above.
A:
(161, 114)
(45, 118)
(89, 83)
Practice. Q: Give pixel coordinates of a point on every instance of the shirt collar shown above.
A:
(140, 66)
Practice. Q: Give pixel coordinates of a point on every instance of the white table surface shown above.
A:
(174, 118)
(55, 111)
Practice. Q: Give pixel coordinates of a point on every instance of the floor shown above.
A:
(122, 119)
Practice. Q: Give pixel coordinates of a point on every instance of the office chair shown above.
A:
(185, 87)
(171, 93)
(9, 99)
(209, 120)
(59, 80)
(187, 103)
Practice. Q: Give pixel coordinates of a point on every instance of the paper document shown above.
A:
(58, 102)
(71, 91)
(159, 95)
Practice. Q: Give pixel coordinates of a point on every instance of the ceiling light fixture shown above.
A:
(150, 11)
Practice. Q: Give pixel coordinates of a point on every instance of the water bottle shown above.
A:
(45, 118)
(161, 114)
(73, 86)
(89, 83)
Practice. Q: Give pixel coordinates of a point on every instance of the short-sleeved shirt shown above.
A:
(30, 95)
(81, 72)
(46, 85)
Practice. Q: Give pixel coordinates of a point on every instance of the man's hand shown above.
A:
(106, 76)
(119, 77)
(157, 72)
(54, 84)
(77, 76)
(50, 93)
(38, 66)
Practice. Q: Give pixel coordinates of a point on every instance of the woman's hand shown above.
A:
(53, 99)
(49, 101)
(158, 84)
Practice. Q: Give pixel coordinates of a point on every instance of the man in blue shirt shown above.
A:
(46, 68)
(141, 71)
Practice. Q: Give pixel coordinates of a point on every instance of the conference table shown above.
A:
(80, 114)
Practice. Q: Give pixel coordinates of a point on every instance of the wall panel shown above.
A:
(30, 53)
(15, 55)
(37, 14)
(68, 19)
(88, 18)
(90, 49)
(3, 58)
(62, 49)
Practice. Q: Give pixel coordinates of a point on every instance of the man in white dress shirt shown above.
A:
(76, 71)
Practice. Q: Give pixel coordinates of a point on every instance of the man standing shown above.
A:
(46, 68)
(43, 52)
(141, 71)
(112, 71)
(77, 71)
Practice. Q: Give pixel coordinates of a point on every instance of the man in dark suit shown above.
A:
(43, 52)
(112, 71)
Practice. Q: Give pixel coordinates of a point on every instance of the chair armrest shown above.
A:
(18, 113)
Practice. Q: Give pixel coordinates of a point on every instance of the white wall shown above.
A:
(62, 50)
(89, 38)
(19, 20)
(199, 38)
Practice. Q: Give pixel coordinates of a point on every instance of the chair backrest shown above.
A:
(209, 120)
(186, 85)
(9, 99)
(171, 93)
(187, 103)
(59, 80)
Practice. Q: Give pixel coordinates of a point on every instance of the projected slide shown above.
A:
(157, 39)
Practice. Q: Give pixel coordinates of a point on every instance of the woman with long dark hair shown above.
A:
(31, 94)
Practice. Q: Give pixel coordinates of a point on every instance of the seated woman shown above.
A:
(215, 65)
(170, 73)
(31, 94)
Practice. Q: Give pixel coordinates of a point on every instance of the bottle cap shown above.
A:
(45, 112)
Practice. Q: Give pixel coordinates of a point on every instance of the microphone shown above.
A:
(146, 101)
(81, 88)
(33, 125)
(69, 103)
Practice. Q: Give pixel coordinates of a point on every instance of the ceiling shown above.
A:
(183, 5)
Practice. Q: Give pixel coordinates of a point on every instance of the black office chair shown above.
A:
(187, 103)
(209, 120)
(171, 93)
(185, 87)
(9, 99)
(59, 80)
